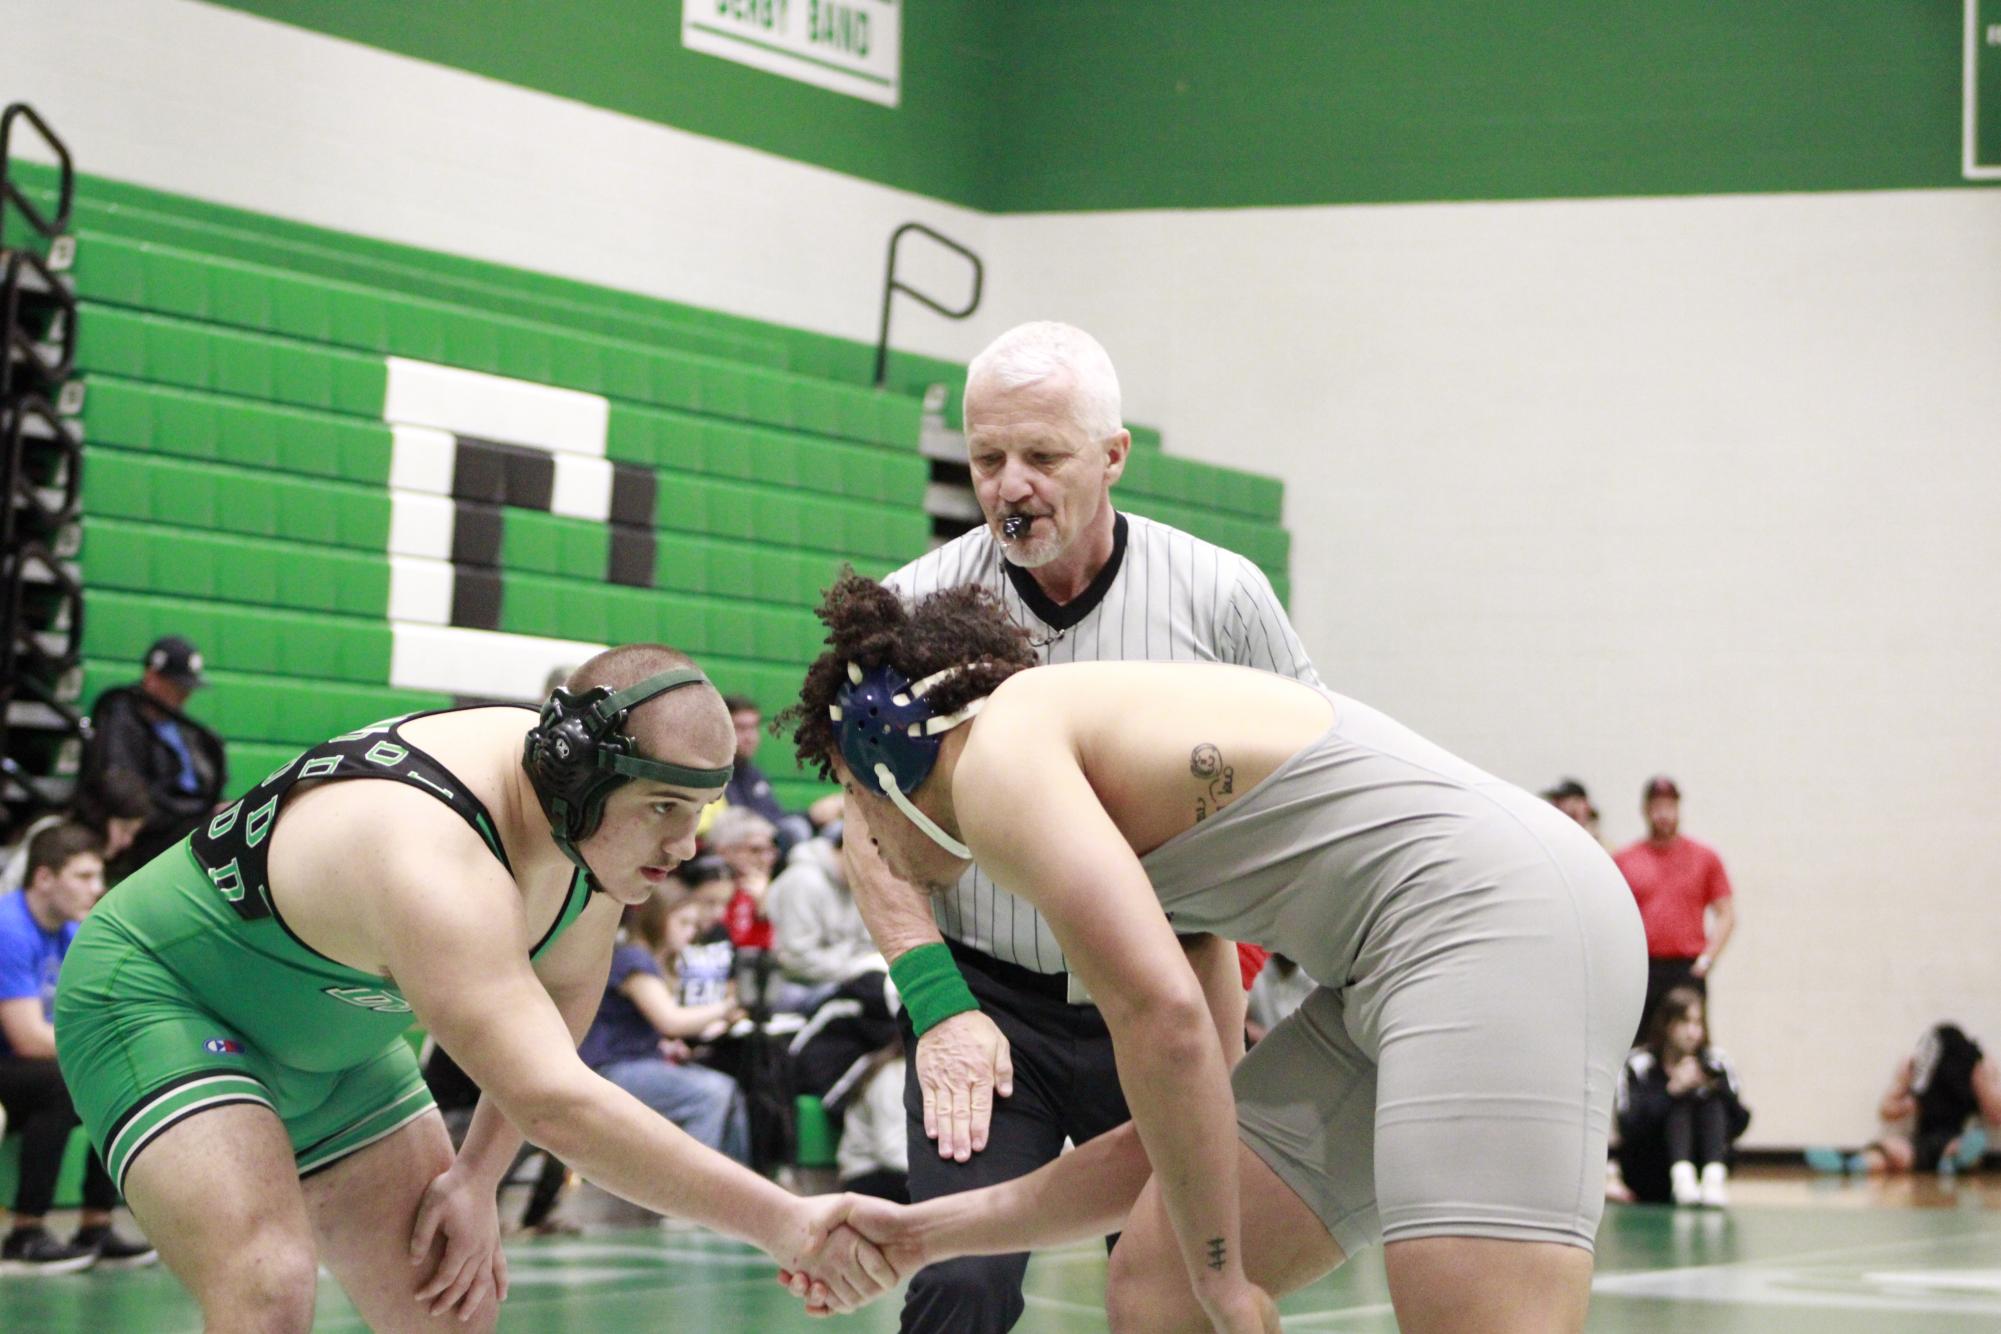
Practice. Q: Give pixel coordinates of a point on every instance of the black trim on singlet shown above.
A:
(1062, 616)
(238, 863)
(153, 1136)
(159, 1090)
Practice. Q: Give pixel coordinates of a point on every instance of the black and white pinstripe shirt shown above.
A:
(1164, 596)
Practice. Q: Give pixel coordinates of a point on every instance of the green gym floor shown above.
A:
(1792, 1254)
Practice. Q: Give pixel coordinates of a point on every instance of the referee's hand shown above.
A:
(961, 1064)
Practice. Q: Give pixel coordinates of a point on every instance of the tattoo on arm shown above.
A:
(1216, 1253)
(1205, 762)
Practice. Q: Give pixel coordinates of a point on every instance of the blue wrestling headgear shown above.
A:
(890, 737)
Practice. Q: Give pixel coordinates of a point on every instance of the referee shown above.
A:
(991, 1007)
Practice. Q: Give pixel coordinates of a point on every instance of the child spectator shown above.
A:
(639, 1040)
(1947, 1082)
(1678, 1109)
(702, 970)
(65, 878)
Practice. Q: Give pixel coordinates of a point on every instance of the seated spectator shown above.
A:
(116, 810)
(1937, 1090)
(142, 728)
(850, 1056)
(639, 1040)
(873, 1156)
(1280, 987)
(748, 845)
(817, 931)
(65, 878)
(1678, 1109)
(749, 789)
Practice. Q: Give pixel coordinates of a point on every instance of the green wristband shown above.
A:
(930, 985)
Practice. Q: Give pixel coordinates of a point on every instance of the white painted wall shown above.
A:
(1607, 488)
(1602, 488)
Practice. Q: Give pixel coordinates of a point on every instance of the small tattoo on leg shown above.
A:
(1216, 1253)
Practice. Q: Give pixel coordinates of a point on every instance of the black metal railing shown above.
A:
(42, 727)
(10, 194)
(891, 285)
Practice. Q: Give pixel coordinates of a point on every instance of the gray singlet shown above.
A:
(1482, 968)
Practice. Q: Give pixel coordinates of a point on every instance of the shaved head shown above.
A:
(690, 725)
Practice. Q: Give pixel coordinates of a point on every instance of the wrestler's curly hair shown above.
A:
(868, 623)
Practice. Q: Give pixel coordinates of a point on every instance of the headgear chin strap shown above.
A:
(890, 738)
(578, 754)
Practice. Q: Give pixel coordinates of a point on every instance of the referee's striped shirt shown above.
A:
(1164, 596)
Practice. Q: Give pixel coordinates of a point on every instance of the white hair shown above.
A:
(738, 824)
(1030, 353)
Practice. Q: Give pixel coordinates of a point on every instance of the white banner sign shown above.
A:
(848, 46)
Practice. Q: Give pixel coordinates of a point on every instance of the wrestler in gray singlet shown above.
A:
(1482, 966)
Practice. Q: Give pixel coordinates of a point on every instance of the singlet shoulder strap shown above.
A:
(579, 898)
(233, 846)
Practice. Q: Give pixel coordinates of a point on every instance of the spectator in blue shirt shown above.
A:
(639, 1039)
(65, 877)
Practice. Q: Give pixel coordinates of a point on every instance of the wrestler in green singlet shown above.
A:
(219, 1002)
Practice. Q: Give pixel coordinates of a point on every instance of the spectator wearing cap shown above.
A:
(143, 728)
(1678, 883)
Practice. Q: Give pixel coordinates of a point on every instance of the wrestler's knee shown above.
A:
(272, 1283)
(1146, 1292)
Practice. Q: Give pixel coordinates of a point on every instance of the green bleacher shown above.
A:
(237, 484)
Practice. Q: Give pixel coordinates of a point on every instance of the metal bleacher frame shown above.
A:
(41, 460)
(948, 494)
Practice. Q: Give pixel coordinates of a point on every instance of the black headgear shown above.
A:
(578, 754)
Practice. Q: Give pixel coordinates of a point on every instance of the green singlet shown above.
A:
(185, 989)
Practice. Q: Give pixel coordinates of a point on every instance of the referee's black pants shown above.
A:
(1065, 1086)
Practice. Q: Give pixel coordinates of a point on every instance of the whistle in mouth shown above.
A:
(1015, 526)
